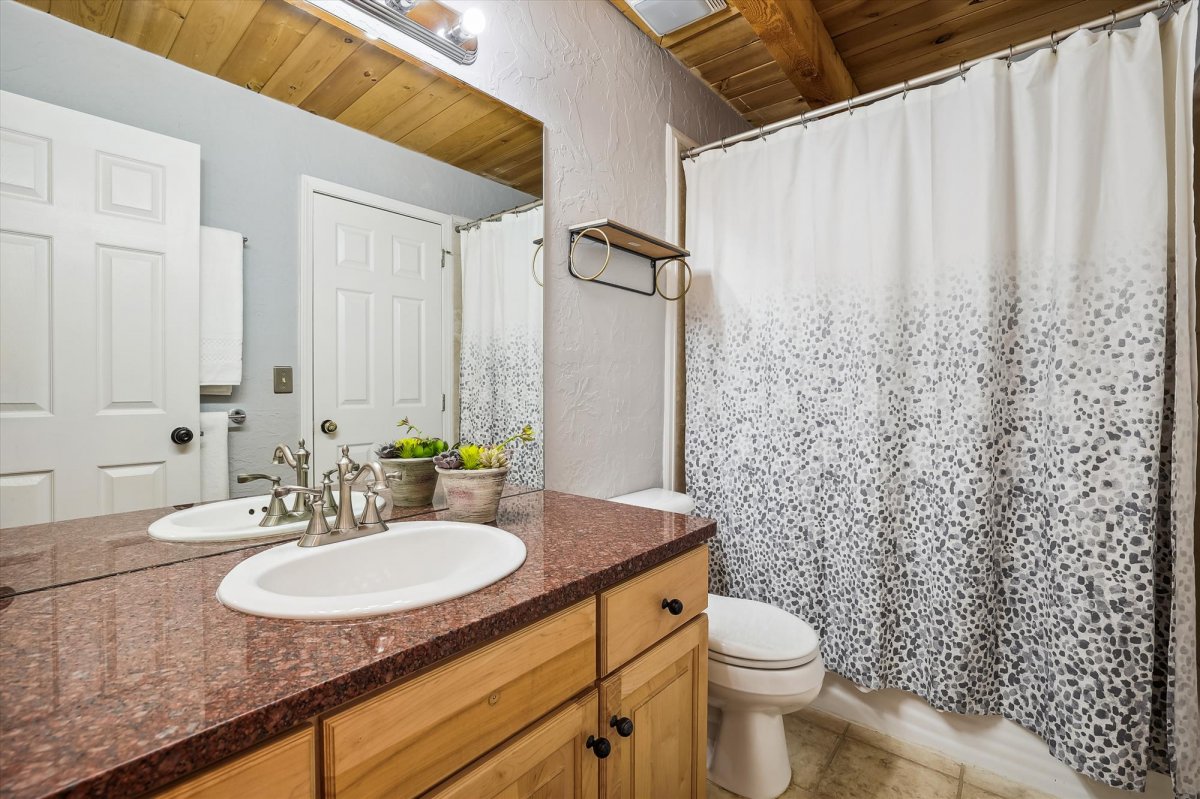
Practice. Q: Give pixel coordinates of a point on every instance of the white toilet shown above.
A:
(763, 663)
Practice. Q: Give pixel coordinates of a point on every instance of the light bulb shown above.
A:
(473, 22)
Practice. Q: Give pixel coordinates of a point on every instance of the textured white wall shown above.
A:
(606, 94)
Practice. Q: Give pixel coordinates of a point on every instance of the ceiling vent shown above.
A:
(665, 16)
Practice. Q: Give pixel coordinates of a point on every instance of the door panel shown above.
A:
(377, 325)
(665, 693)
(550, 761)
(101, 233)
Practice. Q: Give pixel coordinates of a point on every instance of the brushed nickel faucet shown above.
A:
(345, 526)
(297, 460)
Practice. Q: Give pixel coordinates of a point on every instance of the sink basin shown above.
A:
(231, 520)
(411, 565)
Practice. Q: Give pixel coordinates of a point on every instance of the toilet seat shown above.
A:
(755, 635)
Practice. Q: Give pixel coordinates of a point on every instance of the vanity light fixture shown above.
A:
(452, 34)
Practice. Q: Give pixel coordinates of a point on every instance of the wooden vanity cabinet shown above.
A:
(527, 716)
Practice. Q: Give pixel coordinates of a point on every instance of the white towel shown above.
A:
(214, 455)
(220, 307)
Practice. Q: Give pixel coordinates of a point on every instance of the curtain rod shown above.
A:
(1053, 39)
(518, 210)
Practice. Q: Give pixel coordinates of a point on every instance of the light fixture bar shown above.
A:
(394, 18)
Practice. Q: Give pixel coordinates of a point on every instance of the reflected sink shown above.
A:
(230, 520)
(411, 565)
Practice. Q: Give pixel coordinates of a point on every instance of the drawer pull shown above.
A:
(623, 725)
(600, 747)
(673, 606)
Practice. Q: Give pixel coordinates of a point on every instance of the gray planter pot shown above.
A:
(412, 480)
(473, 496)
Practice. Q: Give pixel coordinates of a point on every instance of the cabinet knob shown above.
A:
(673, 606)
(181, 435)
(328, 427)
(623, 725)
(600, 747)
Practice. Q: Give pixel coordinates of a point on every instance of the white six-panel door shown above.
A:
(99, 326)
(376, 325)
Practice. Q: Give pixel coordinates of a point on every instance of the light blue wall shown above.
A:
(254, 150)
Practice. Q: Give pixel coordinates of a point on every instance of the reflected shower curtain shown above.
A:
(500, 373)
(940, 392)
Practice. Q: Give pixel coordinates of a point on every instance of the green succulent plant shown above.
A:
(469, 456)
(412, 446)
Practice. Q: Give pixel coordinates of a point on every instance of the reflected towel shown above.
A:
(220, 307)
(214, 455)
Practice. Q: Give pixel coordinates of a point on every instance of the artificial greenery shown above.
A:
(414, 445)
(468, 457)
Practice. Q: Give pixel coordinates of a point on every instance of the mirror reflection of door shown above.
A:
(98, 316)
(377, 325)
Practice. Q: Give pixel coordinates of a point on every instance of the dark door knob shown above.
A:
(181, 435)
(329, 427)
(623, 725)
(600, 747)
(673, 606)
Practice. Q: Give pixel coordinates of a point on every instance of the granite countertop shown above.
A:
(120, 685)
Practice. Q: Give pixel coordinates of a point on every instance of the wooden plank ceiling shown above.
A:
(288, 50)
(773, 59)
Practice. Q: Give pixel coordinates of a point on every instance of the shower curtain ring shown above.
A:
(962, 73)
(1112, 26)
(761, 133)
(533, 263)
(904, 94)
(571, 255)
(1053, 43)
(850, 105)
(1008, 61)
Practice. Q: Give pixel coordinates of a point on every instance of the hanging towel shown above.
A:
(220, 308)
(214, 455)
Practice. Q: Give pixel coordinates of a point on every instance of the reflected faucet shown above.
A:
(297, 460)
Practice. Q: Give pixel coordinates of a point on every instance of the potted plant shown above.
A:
(473, 476)
(408, 465)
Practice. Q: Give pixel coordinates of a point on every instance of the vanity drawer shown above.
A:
(279, 769)
(632, 615)
(406, 739)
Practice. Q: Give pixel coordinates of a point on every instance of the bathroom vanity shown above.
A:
(583, 674)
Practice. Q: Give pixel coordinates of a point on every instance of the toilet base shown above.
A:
(750, 755)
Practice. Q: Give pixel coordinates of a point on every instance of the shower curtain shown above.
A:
(500, 372)
(941, 391)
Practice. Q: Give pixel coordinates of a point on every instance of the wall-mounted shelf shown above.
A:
(625, 239)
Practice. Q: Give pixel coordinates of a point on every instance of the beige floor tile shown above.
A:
(1001, 786)
(920, 754)
(861, 771)
(809, 749)
(822, 720)
(973, 792)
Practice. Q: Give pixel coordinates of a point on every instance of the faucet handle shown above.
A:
(317, 526)
(370, 516)
(249, 478)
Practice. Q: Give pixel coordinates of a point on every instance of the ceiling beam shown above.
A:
(798, 41)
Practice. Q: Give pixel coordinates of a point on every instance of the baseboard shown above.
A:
(987, 742)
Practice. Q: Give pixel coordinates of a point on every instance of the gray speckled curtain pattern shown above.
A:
(500, 355)
(941, 392)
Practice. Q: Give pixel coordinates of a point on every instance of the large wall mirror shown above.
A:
(238, 236)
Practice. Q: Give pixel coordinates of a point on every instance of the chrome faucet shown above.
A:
(345, 527)
(297, 460)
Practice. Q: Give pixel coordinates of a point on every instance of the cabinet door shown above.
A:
(550, 761)
(664, 693)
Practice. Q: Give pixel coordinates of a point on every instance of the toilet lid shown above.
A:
(743, 632)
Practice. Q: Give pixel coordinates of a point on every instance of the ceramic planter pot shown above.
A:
(474, 495)
(411, 480)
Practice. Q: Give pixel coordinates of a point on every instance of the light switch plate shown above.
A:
(283, 380)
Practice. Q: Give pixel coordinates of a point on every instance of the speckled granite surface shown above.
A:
(119, 685)
(45, 555)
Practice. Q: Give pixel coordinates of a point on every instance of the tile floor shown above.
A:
(833, 759)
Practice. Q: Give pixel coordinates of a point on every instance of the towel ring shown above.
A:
(687, 283)
(533, 264)
(607, 253)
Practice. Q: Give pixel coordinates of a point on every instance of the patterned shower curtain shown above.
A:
(940, 392)
(500, 365)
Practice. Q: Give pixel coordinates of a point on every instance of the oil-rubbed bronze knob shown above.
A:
(181, 435)
(328, 427)
(672, 606)
(623, 725)
(600, 747)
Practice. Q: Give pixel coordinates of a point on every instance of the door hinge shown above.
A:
(444, 254)
(443, 403)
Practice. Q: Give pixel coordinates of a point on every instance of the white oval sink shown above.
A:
(411, 565)
(230, 520)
